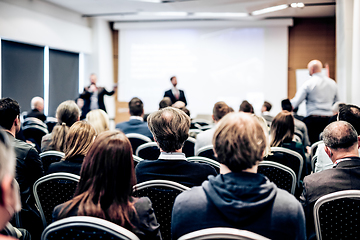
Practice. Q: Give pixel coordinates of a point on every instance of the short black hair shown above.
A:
(9, 110)
(351, 114)
(245, 106)
(172, 78)
(136, 107)
(267, 105)
(286, 105)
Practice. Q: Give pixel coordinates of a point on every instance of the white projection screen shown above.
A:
(211, 64)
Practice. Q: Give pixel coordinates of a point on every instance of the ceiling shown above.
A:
(140, 11)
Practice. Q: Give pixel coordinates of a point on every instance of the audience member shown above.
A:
(170, 128)
(99, 119)
(348, 113)
(94, 96)
(37, 108)
(165, 102)
(239, 197)
(335, 109)
(67, 113)
(136, 123)
(78, 142)
(9, 193)
(106, 183)
(174, 93)
(245, 106)
(300, 126)
(320, 93)
(341, 145)
(203, 139)
(265, 127)
(282, 135)
(265, 112)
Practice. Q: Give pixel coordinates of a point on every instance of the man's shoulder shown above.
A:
(22, 149)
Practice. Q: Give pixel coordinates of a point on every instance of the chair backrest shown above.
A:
(314, 148)
(52, 190)
(222, 233)
(283, 176)
(50, 157)
(189, 146)
(162, 194)
(51, 123)
(136, 160)
(209, 161)
(148, 151)
(313, 163)
(207, 152)
(84, 227)
(337, 215)
(288, 158)
(194, 132)
(34, 129)
(137, 139)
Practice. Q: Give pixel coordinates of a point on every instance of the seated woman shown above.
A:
(106, 183)
(282, 134)
(99, 119)
(78, 142)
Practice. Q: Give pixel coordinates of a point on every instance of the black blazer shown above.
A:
(86, 95)
(182, 98)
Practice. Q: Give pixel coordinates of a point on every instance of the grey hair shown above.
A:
(340, 135)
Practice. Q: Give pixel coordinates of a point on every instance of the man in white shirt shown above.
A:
(174, 93)
(320, 93)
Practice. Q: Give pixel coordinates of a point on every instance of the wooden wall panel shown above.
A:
(310, 38)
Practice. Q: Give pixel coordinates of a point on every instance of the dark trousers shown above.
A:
(315, 125)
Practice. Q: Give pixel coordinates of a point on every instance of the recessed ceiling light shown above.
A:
(270, 9)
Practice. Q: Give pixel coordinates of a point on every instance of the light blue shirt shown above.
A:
(320, 93)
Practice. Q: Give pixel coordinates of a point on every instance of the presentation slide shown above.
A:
(230, 64)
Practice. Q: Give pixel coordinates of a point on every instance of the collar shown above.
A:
(172, 156)
(137, 118)
(266, 113)
(317, 74)
(10, 134)
(343, 160)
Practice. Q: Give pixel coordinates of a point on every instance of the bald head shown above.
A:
(314, 66)
(340, 135)
(37, 103)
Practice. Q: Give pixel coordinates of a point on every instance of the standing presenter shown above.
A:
(174, 93)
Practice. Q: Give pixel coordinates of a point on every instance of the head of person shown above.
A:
(99, 119)
(341, 140)
(266, 107)
(136, 107)
(9, 192)
(282, 129)
(79, 139)
(351, 114)
(93, 78)
(67, 113)
(186, 111)
(245, 106)
(220, 109)
(239, 141)
(106, 181)
(165, 102)
(314, 66)
(170, 128)
(37, 103)
(9, 114)
(173, 81)
(265, 127)
(286, 105)
(336, 106)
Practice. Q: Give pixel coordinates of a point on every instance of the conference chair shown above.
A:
(222, 233)
(314, 147)
(199, 123)
(34, 129)
(137, 139)
(136, 160)
(194, 132)
(148, 151)
(337, 215)
(288, 158)
(51, 123)
(313, 163)
(189, 146)
(86, 228)
(50, 157)
(162, 194)
(283, 176)
(52, 190)
(207, 152)
(205, 160)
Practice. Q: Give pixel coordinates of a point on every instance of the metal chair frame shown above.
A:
(160, 183)
(137, 158)
(52, 153)
(314, 147)
(86, 221)
(203, 149)
(199, 159)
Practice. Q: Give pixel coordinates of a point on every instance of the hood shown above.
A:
(240, 196)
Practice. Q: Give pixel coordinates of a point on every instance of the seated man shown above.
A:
(341, 145)
(265, 112)
(239, 197)
(136, 123)
(204, 139)
(170, 127)
(37, 108)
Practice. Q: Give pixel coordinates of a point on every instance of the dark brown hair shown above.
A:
(107, 178)
(245, 106)
(220, 110)
(282, 129)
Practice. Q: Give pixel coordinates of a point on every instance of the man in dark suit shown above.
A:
(341, 145)
(37, 108)
(174, 93)
(136, 123)
(170, 127)
(94, 96)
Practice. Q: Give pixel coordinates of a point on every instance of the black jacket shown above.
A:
(86, 95)
(71, 165)
(182, 97)
(36, 114)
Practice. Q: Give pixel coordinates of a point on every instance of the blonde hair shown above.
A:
(79, 139)
(265, 127)
(99, 120)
